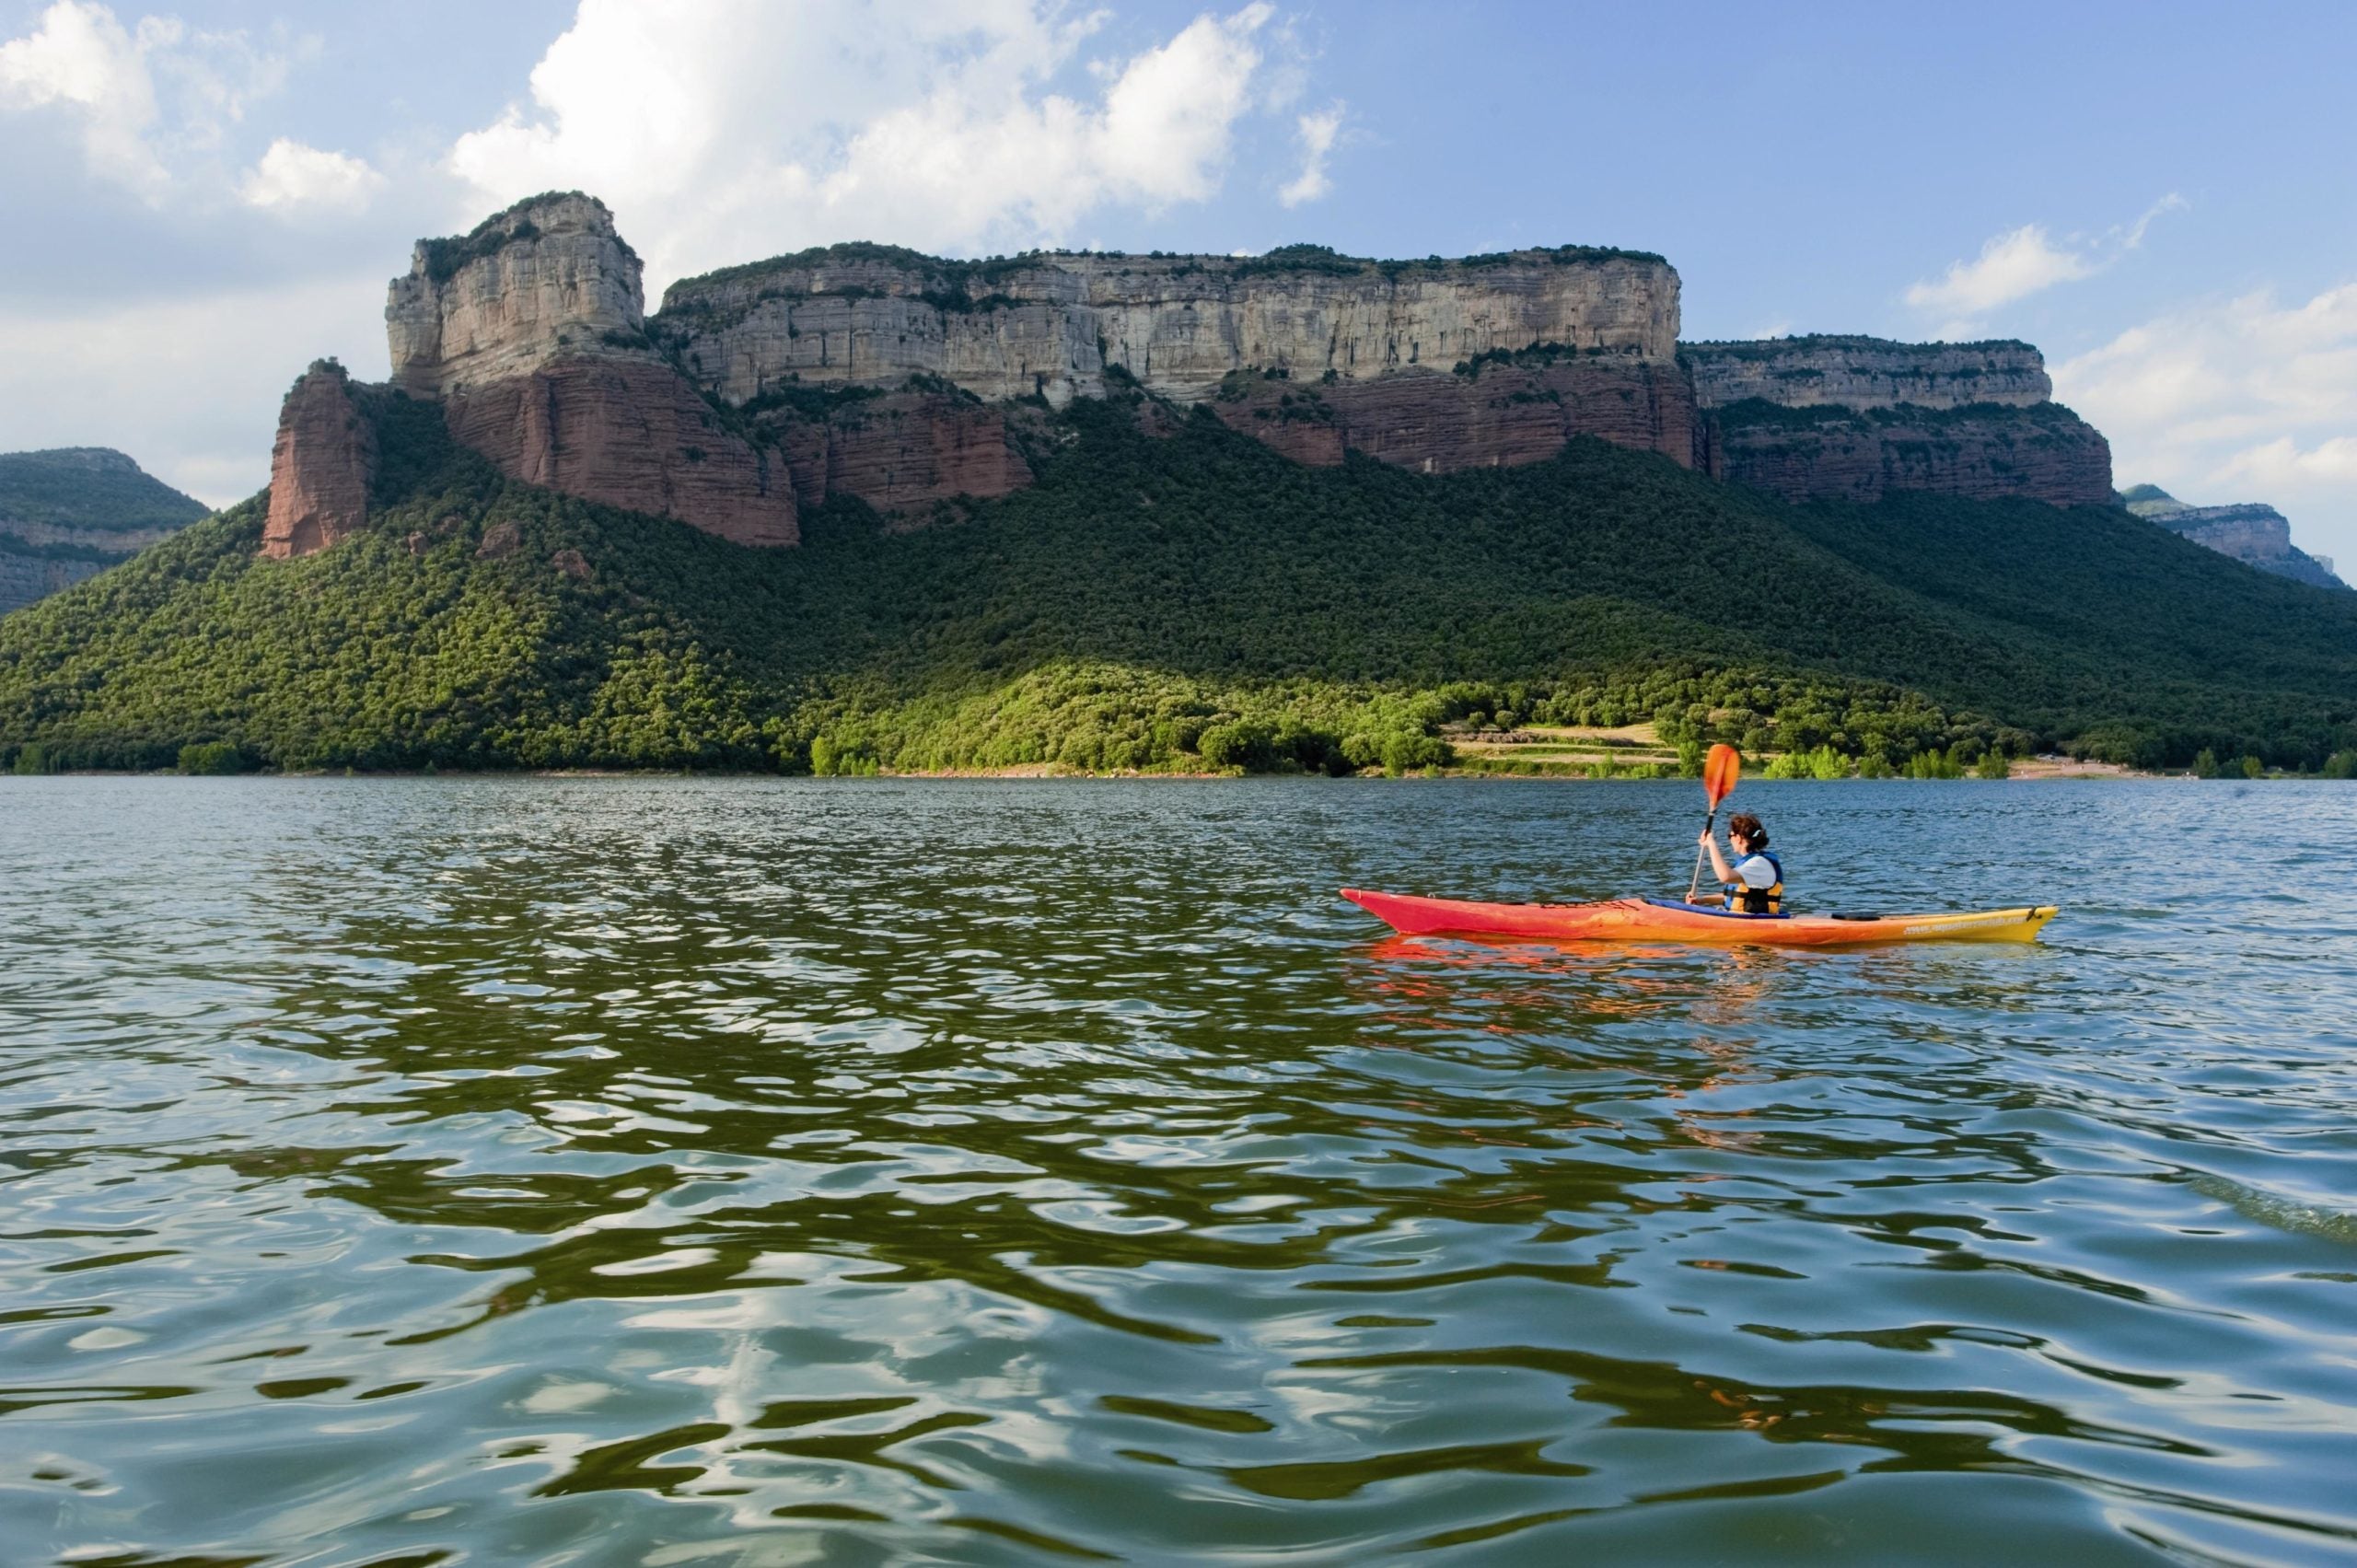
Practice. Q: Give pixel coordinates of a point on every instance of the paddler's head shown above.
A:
(1745, 832)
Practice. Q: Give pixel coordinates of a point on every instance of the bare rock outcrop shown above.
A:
(1493, 416)
(905, 451)
(1853, 418)
(1864, 373)
(529, 331)
(548, 278)
(1986, 452)
(633, 433)
(1309, 351)
(1049, 325)
(320, 466)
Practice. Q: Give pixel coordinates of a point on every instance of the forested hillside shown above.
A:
(1181, 602)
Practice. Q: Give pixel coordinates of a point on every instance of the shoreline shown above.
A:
(2023, 772)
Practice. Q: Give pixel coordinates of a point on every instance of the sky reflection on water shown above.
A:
(743, 1171)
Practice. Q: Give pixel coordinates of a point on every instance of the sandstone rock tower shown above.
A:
(320, 466)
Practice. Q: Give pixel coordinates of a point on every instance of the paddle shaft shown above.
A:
(1695, 887)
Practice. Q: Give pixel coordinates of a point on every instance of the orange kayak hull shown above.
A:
(1652, 920)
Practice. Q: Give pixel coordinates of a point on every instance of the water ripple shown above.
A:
(682, 1171)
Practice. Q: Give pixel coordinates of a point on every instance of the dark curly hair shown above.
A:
(1743, 824)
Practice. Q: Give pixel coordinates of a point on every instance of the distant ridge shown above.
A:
(70, 512)
(2252, 532)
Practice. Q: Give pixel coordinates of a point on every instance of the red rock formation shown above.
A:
(320, 466)
(903, 452)
(913, 450)
(1299, 422)
(1505, 416)
(628, 433)
(1510, 414)
(2042, 453)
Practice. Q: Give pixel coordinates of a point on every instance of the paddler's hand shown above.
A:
(1704, 838)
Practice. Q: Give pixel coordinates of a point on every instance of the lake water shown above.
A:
(728, 1171)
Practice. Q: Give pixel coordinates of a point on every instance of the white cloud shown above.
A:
(1318, 133)
(2134, 234)
(81, 57)
(148, 99)
(2236, 399)
(725, 130)
(190, 387)
(2022, 262)
(2010, 266)
(291, 175)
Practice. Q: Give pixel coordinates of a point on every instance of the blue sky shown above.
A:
(202, 197)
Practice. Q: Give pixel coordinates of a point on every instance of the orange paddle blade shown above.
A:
(1720, 771)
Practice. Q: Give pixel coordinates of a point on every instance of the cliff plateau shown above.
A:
(909, 381)
(1855, 418)
(1177, 326)
(1375, 340)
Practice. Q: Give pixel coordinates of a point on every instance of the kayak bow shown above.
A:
(1667, 919)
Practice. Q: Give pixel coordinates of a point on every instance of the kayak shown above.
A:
(1669, 919)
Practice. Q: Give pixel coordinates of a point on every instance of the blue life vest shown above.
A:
(1759, 901)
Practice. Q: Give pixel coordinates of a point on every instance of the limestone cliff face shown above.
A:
(1050, 324)
(1851, 419)
(1863, 373)
(1307, 351)
(548, 278)
(320, 466)
(530, 331)
(2253, 533)
(876, 371)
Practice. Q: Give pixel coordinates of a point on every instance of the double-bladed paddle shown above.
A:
(1720, 771)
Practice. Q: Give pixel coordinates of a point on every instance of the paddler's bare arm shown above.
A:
(1718, 861)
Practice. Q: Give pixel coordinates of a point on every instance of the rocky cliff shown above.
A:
(1520, 410)
(1049, 325)
(546, 279)
(530, 331)
(2252, 532)
(1863, 373)
(1983, 451)
(1850, 418)
(321, 467)
(1433, 365)
(71, 512)
(902, 379)
(629, 432)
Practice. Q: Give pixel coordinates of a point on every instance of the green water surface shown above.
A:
(717, 1172)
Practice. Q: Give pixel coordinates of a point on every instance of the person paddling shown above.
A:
(1755, 883)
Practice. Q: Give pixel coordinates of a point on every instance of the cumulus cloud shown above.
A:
(2010, 266)
(291, 175)
(2236, 399)
(1318, 133)
(729, 130)
(2022, 262)
(144, 98)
